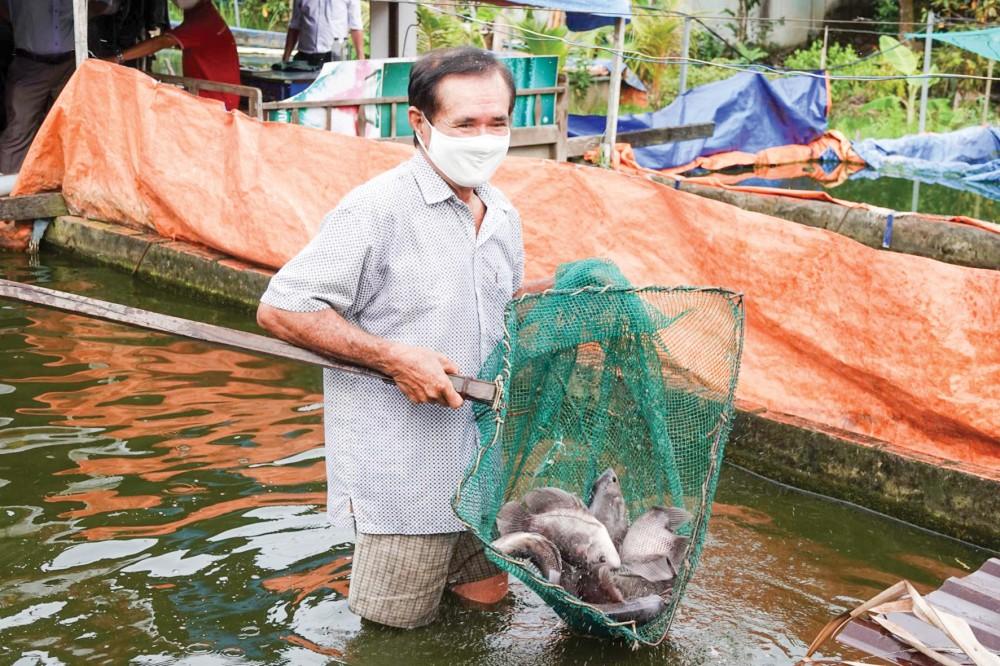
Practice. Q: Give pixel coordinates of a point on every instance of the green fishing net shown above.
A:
(597, 374)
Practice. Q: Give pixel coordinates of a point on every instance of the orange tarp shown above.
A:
(887, 345)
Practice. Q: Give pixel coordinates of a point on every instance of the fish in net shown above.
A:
(597, 374)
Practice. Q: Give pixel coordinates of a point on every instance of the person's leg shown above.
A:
(398, 579)
(30, 88)
(472, 576)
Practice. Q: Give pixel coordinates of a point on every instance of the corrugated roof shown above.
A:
(974, 598)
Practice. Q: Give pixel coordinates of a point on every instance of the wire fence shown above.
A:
(515, 32)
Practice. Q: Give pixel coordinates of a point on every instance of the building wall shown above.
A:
(805, 18)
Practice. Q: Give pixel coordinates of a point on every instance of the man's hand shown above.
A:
(422, 375)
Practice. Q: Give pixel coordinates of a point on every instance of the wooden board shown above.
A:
(33, 206)
(578, 145)
(468, 387)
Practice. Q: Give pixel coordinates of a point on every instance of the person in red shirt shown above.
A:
(208, 45)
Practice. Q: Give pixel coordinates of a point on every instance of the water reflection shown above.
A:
(161, 502)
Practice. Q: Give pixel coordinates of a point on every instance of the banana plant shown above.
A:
(904, 61)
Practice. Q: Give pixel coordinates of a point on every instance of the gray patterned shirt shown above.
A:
(400, 258)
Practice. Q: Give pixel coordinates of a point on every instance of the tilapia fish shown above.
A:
(561, 517)
(536, 548)
(593, 585)
(608, 505)
(652, 540)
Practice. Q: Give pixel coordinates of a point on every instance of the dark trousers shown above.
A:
(31, 88)
(317, 59)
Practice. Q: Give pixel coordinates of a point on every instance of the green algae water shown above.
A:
(161, 503)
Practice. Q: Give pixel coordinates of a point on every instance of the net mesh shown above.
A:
(598, 374)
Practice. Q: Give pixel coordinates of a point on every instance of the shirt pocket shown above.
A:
(415, 286)
(497, 276)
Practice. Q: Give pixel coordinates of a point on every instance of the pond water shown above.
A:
(161, 503)
(897, 194)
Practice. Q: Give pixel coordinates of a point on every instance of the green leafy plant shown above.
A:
(655, 37)
(538, 38)
(903, 61)
(441, 30)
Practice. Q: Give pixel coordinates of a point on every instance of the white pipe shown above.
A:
(7, 182)
(80, 19)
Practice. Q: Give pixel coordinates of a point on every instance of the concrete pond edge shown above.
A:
(947, 497)
(953, 243)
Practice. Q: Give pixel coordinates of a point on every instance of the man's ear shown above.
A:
(416, 121)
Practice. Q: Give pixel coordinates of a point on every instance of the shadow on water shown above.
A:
(161, 502)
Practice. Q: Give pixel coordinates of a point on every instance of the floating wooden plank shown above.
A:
(578, 145)
(33, 206)
(468, 387)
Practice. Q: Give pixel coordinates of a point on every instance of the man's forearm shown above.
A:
(291, 39)
(149, 47)
(328, 333)
(358, 37)
(421, 374)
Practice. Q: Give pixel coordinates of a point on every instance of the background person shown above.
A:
(209, 49)
(320, 29)
(410, 275)
(44, 59)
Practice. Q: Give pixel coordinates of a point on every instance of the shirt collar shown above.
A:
(435, 190)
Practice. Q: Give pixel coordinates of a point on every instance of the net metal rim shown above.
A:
(629, 629)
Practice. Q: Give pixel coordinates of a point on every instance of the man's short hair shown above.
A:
(434, 65)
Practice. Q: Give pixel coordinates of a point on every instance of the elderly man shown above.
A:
(320, 28)
(410, 275)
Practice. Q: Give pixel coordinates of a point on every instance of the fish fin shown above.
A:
(513, 517)
(675, 554)
(640, 610)
(656, 570)
(677, 517)
(545, 499)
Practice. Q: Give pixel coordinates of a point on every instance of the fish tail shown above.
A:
(677, 517)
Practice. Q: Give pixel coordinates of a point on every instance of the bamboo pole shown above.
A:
(685, 50)
(925, 84)
(614, 95)
(822, 55)
(986, 98)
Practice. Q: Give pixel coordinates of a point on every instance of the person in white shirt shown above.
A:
(320, 29)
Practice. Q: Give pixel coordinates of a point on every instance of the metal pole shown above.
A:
(986, 98)
(685, 49)
(915, 203)
(80, 19)
(826, 39)
(614, 95)
(925, 84)
(236, 12)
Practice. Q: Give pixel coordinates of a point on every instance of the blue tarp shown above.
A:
(969, 157)
(585, 15)
(750, 113)
(984, 42)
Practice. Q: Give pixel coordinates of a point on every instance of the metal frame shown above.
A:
(194, 86)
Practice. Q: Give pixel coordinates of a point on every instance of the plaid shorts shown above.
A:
(398, 579)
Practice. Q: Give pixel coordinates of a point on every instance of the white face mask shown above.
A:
(468, 161)
(186, 4)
